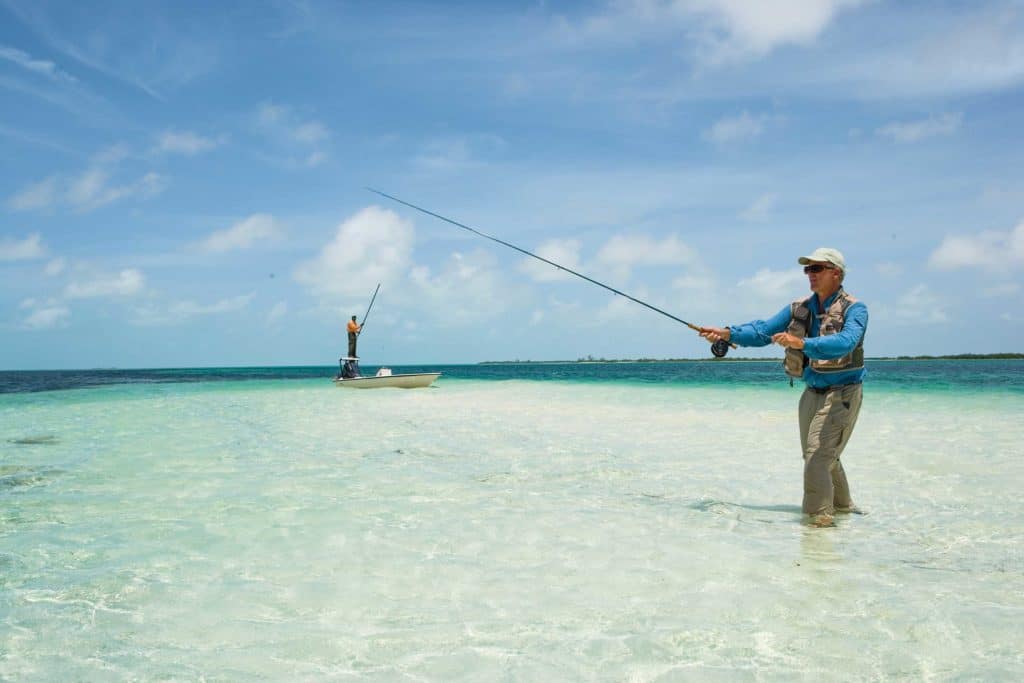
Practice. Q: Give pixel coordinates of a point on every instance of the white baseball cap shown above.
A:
(825, 255)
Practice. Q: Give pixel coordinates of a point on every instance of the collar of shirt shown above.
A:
(821, 308)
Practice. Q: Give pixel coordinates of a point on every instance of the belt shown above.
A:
(825, 390)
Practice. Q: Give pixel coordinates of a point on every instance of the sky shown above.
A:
(183, 184)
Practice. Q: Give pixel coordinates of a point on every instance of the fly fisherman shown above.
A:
(824, 340)
(353, 334)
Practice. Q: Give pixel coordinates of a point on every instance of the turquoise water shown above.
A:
(588, 522)
(903, 375)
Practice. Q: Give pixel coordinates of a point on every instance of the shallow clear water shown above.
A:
(566, 529)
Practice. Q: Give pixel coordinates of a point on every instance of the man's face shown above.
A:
(823, 277)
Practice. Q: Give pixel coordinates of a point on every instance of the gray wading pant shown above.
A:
(352, 344)
(826, 423)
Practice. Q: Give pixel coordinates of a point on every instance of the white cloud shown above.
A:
(458, 151)
(86, 192)
(151, 315)
(277, 312)
(888, 269)
(302, 141)
(722, 31)
(310, 132)
(964, 50)
(735, 129)
(918, 306)
(739, 29)
(168, 50)
(467, 290)
(91, 190)
(1005, 289)
(624, 252)
(39, 66)
(914, 131)
(697, 293)
(47, 317)
(374, 245)
(774, 285)
(761, 209)
(184, 142)
(1004, 193)
(112, 154)
(22, 250)
(700, 284)
(990, 249)
(315, 159)
(271, 114)
(515, 86)
(125, 283)
(891, 50)
(562, 252)
(259, 227)
(55, 267)
(31, 138)
(962, 252)
(41, 195)
(620, 308)
(188, 309)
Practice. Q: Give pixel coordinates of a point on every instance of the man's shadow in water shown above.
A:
(710, 505)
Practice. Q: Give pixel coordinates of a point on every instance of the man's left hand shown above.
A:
(786, 340)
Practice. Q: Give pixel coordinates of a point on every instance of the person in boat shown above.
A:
(354, 329)
(824, 340)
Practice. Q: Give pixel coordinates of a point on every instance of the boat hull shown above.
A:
(409, 381)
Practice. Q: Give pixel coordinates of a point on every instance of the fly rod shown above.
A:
(362, 325)
(719, 348)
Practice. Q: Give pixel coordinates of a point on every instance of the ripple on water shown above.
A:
(21, 476)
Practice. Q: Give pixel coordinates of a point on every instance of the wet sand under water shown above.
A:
(502, 529)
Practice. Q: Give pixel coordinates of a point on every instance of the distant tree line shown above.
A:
(602, 359)
(959, 356)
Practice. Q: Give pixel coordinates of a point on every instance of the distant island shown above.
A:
(591, 359)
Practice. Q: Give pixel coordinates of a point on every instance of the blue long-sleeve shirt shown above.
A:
(759, 333)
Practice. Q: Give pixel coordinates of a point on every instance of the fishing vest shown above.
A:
(831, 322)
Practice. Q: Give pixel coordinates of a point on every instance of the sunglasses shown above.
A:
(816, 268)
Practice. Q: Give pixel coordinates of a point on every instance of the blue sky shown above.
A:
(183, 183)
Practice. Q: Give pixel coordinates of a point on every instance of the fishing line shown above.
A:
(718, 349)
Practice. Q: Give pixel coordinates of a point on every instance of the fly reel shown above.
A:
(720, 348)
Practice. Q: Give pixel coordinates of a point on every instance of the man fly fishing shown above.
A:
(824, 340)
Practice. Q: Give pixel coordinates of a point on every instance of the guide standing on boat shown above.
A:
(824, 340)
(353, 335)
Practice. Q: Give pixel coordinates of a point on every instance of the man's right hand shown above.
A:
(713, 334)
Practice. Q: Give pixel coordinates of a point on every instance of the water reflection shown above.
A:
(818, 545)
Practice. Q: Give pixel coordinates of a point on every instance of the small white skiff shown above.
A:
(350, 376)
(407, 381)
